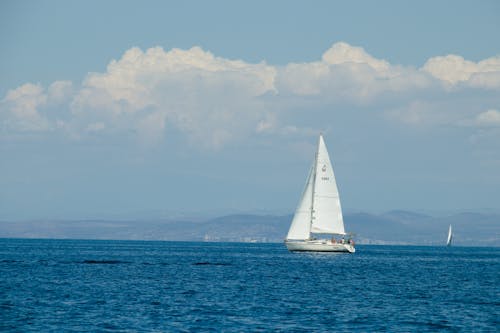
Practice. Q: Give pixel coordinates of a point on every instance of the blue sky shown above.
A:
(119, 109)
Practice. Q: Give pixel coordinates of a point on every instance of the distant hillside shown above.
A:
(394, 227)
(399, 227)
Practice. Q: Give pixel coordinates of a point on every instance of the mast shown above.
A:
(314, 184)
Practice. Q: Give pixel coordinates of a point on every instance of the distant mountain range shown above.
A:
(394, 227)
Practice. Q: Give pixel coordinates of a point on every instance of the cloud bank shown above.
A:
(213, 100)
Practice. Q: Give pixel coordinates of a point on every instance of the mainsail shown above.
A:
(319, 209)
(327, 213)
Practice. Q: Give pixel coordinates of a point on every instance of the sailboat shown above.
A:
(450, 236)
(319, 211)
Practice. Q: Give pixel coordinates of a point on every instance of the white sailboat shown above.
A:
(319, 211)
(450, 236)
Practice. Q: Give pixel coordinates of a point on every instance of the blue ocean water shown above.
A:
(79, 285)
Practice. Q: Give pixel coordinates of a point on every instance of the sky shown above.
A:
(125, 109)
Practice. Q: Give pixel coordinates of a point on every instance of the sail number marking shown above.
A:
(324, 170)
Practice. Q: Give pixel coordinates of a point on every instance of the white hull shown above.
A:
(320, 245)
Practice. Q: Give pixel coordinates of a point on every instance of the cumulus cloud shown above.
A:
(421, 112)
(25, 108)
(213, 100)
(192, 89)
(19, 108)
(151, 127)
(129, 84)
(349, 73)
(488, 118)
(343, 53)
(60, 91)
(454, 69)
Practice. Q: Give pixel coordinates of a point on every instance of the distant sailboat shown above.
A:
(319, 210)
(450, 236)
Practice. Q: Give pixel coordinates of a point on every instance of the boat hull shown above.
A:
(322, 245)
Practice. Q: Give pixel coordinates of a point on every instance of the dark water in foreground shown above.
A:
(64, 285)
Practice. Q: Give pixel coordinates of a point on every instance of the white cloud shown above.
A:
(488, 118)
(129, 83)
(349, 73)
(60, 91)
(151, 127)
(197, 92)
(213, 100)
(423, 113)
(490, 80)
(343, 53)
(23, 108)
(454, 69)
(304, 79)
(19, 108)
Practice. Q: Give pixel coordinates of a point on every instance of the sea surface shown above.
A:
(121, 286)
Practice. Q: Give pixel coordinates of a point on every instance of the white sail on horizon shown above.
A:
(450, 236)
